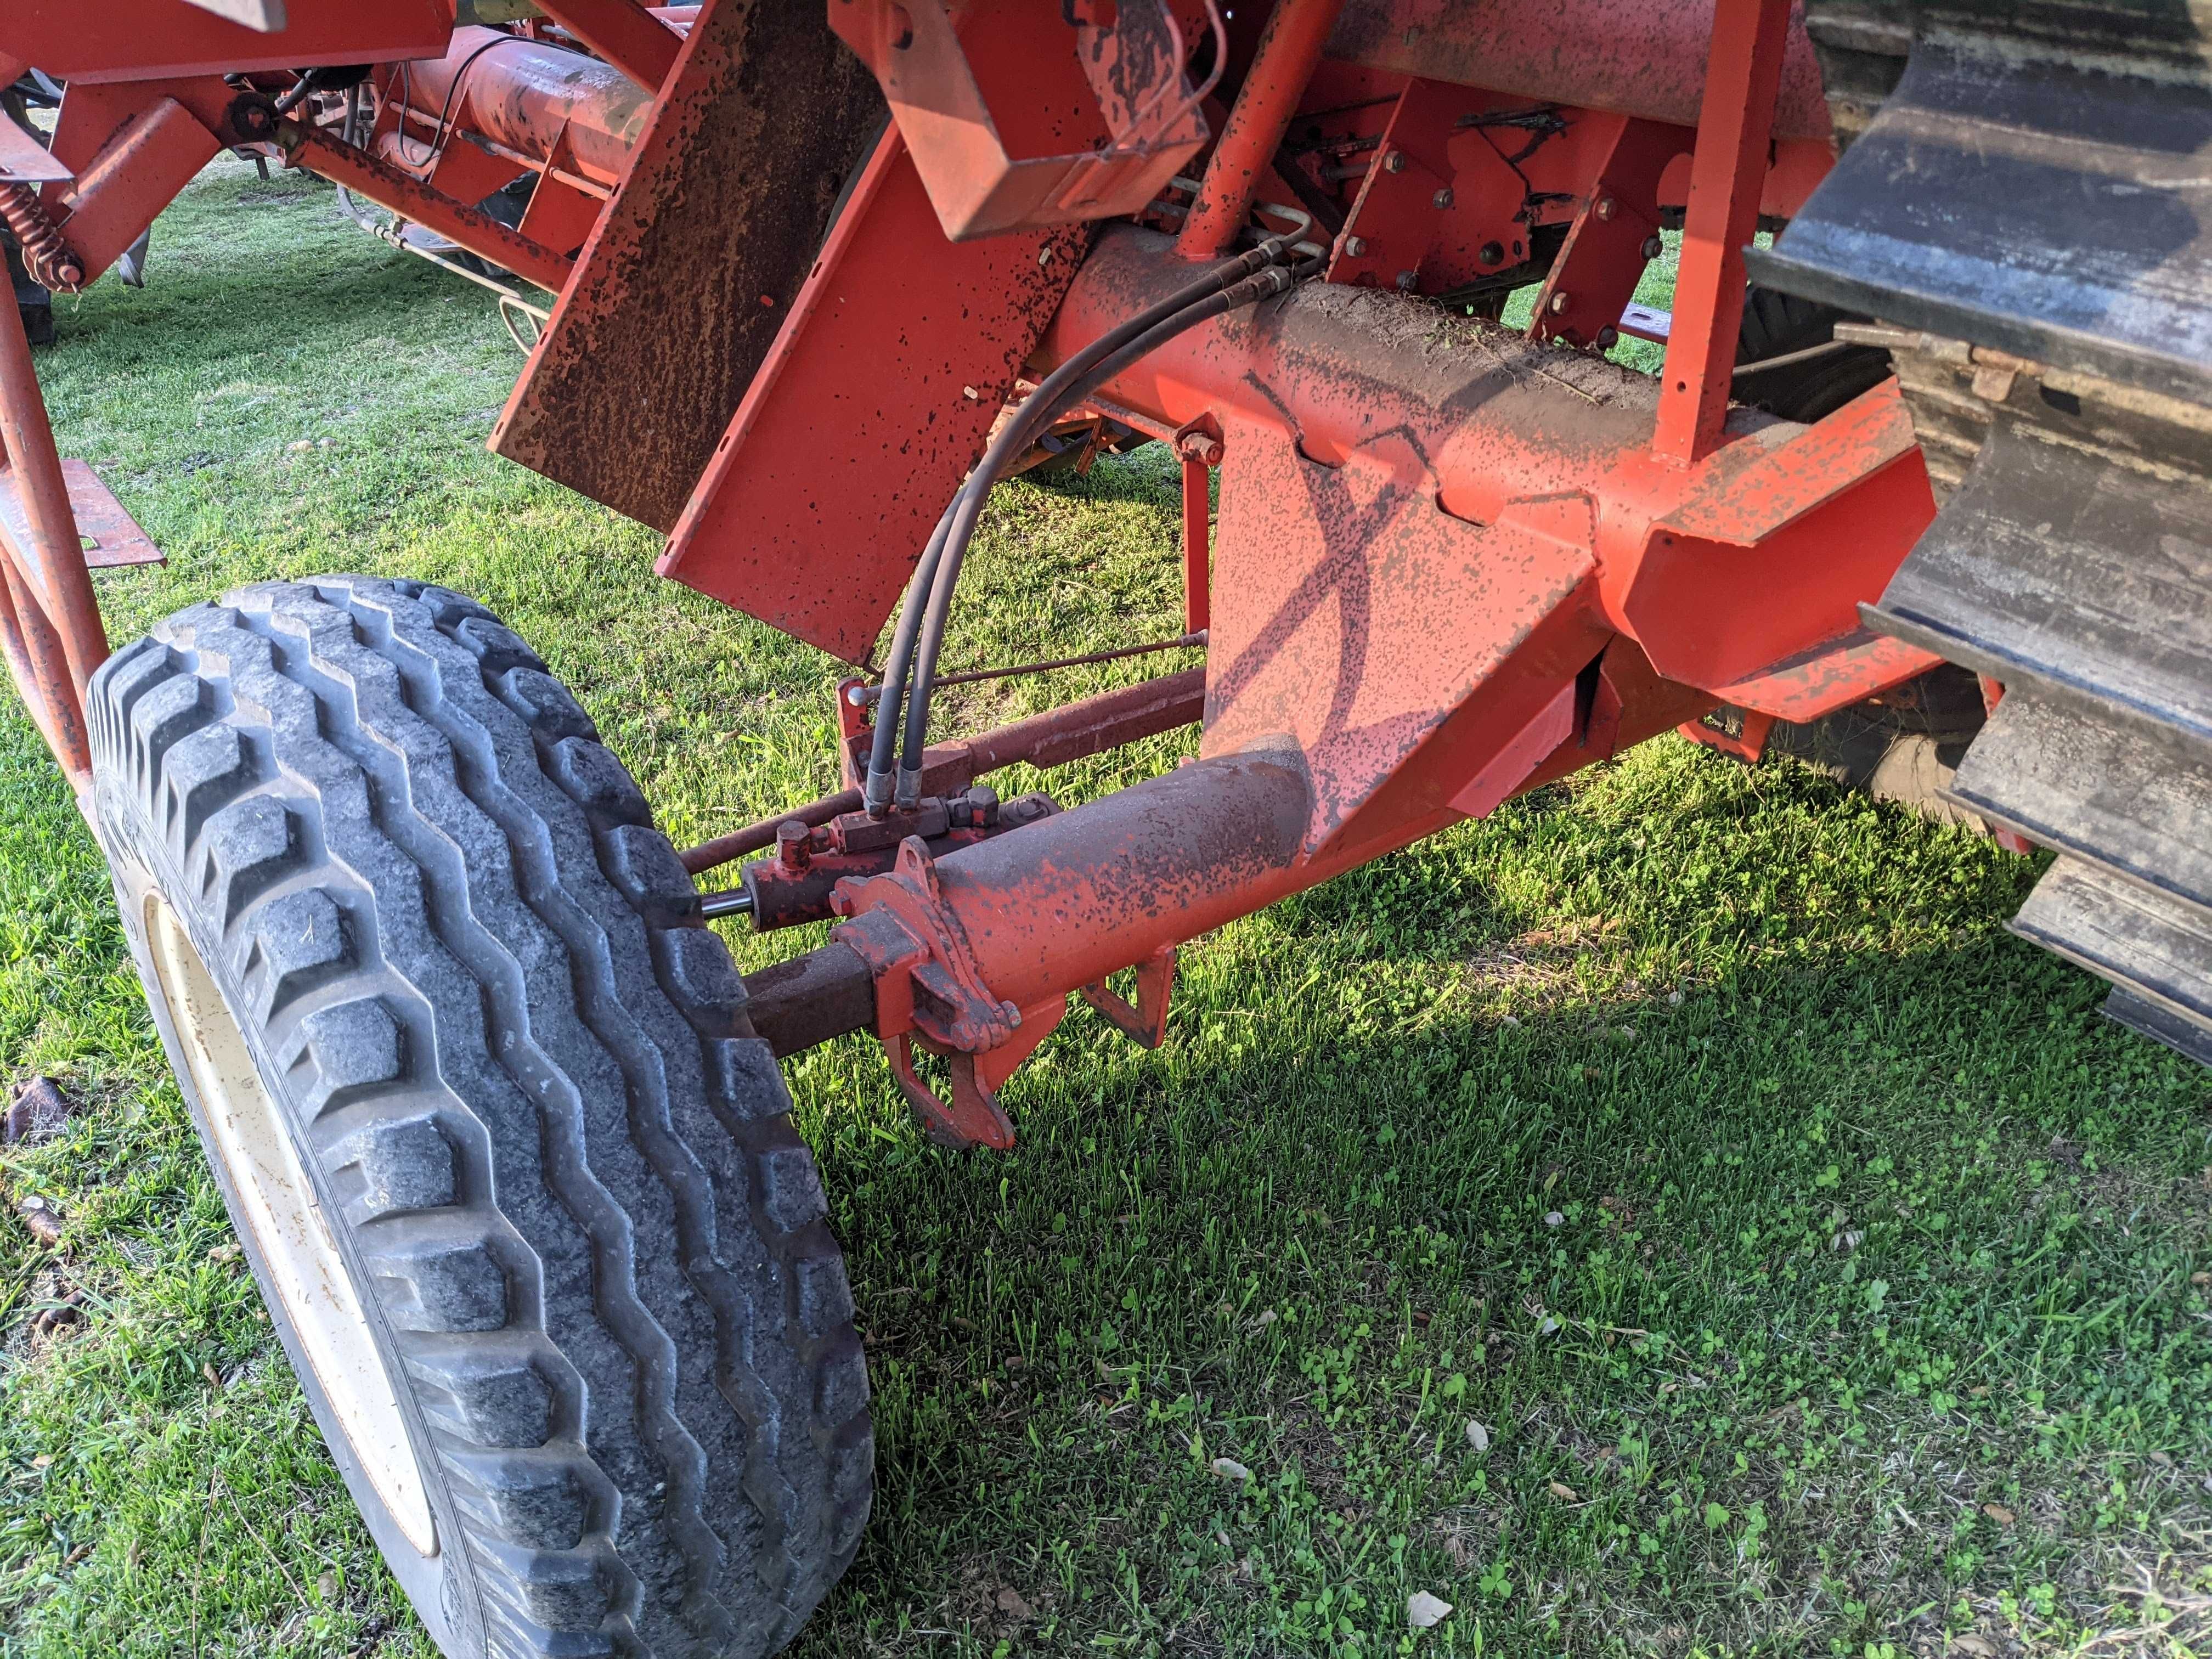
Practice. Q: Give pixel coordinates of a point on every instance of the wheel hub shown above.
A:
(293, 1237)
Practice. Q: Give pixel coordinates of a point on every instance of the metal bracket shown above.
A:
(1146, 1024)
(1747, 744)
(928, 991)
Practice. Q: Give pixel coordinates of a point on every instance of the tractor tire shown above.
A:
(518, 1181)
(1777, 324)
(1905, 745)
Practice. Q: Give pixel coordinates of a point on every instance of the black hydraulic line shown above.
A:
(1265, 284)
(1036, 413)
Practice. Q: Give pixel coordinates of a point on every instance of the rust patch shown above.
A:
(683, 285)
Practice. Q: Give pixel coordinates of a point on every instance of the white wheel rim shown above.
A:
(297, 1246)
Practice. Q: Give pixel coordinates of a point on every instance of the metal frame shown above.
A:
(1433, 582)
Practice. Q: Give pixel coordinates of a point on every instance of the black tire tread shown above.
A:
(1776, 323)
(649, 1401)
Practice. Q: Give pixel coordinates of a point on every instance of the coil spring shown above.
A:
(48, 258)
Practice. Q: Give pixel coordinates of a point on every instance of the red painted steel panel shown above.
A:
(872, 407)
(86, 41)
(1351, 617)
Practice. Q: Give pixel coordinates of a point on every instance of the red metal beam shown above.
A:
(136, 173)
(388, 187)
(1288, 53)
(40, 670)
(51, 557)
(623, 32)
(82, 42)
(1197, 516)
(1726, 174)
(1072, 731)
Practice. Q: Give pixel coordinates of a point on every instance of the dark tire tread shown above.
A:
(522, 1066)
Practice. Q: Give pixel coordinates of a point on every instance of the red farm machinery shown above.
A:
(501, 1125)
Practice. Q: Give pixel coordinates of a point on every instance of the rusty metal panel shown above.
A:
(875, 403)
(111, 536)
(682, 288)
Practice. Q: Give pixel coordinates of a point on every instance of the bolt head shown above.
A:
(1653, 246)
(1608, 337)
(1405, 282)
(1393, 161)
(1442, 200)
(1354, 246)
(1491, 253)
(1561, 302)
(1604, 208)
(252, 116)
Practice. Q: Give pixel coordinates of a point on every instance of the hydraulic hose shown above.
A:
(1071, 381)
(968, 506)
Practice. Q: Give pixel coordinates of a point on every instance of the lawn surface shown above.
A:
(1671, 1216)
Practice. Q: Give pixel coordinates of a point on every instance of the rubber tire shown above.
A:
(1904, 746)
(1775, 324)
(519, 1071)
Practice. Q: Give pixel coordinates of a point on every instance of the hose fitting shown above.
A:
(876, 793)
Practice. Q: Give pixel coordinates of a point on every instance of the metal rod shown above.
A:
(54, 565)
(1825, 348)
(393, 232)
(41, 675)
(409, 198)
(735, 902)
(1197, 556)
(762, 831)
(1072, 731)
(863, 696)
(1288, 53)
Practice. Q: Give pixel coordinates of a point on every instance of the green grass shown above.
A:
(1827, 1276)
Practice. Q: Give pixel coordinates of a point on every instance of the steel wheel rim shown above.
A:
(297, 1246)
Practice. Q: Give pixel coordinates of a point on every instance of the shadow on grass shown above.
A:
(1674, 1254)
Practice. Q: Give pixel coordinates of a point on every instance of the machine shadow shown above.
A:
(1369, 1161)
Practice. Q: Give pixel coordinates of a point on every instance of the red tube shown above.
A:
(1288, 53)
(1632, 57)
(59, 586)
(1066, 902)
(527, 96)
